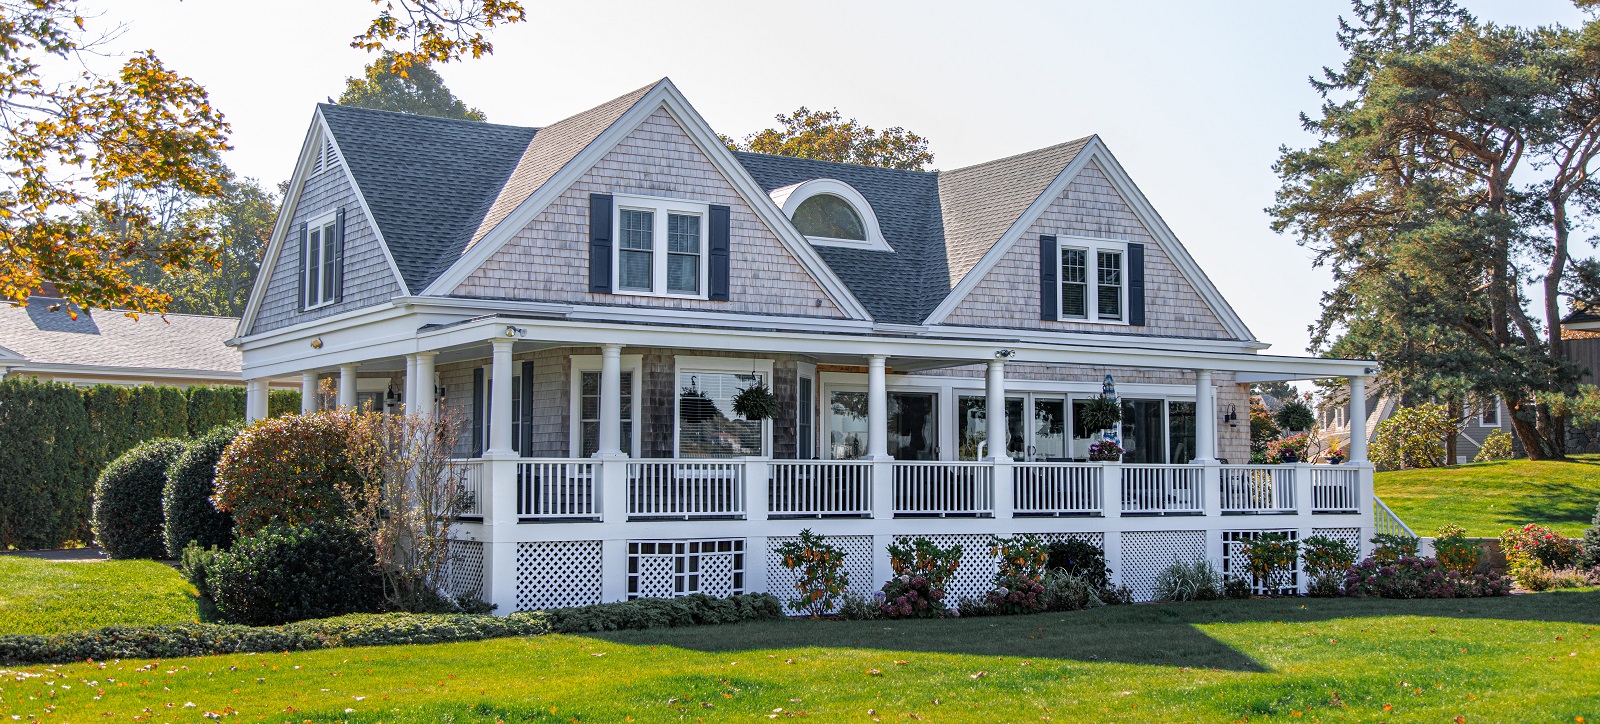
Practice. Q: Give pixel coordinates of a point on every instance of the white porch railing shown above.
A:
(1385, 522)
(1163, 489)
(938, 488)
(816, 488)
(1257, 489)
(474, 476)
(555, 489)
(1335, 489)
(1050, 489)
(686, 489)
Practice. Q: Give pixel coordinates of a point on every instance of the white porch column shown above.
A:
(877, 409)
(1205, 419)
(255, 400)
(347, 387)
(424, 387)
(308, 392)
(500, 401)
(1358, 420)
(610, 402)
(409, 395)
(995, 411)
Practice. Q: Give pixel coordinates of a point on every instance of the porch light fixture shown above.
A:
(1004, 353)
(1232, 416)
(514, 332)
(316, 343)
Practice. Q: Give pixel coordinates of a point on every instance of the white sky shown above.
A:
(1193, 98)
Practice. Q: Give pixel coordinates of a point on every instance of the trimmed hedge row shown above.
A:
(382, 629)
(56, 438)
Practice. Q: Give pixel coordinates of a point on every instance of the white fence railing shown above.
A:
(553, 489)
(1335, 489)
(1385, 522)
(943, 488)
(1045, 489)
(685, 489)
(474, 475)
(815, 488)
(1257, 489)
(1163, 489)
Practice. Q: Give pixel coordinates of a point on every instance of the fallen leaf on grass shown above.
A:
(979, 675)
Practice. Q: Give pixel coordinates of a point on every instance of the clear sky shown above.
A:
(1194, 98)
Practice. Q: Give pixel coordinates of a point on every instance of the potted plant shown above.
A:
(1105, 451)
(1100, 413)
(1335, 456)
(756, 402)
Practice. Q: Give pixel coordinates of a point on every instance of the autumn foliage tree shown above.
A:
(829, 136)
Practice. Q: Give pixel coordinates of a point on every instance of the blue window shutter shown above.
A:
(717, 247)
(525, 445)
(600, 243)
(477, 412)
(305, 258)
(1049, 286)
(338, 255)
(1136, 285)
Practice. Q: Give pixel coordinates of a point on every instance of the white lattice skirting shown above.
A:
(1235, 564)
(1145, 555)
(464, 577)
(667, 568)
(857, 566)
(558, 574)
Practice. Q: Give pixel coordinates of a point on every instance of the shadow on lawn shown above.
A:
(1159, 634)
(1553, 504)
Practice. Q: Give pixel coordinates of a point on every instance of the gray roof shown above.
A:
(110, 338)
(429, 181)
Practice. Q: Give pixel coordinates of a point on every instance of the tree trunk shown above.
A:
(1452, 441)
(1527, 430)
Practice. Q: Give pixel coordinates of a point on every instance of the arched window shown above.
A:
(829, 216)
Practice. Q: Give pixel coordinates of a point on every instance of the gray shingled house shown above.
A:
(610, 302)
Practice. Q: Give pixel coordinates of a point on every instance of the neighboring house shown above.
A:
(1481, 418)
(590, 297)
(108, 346)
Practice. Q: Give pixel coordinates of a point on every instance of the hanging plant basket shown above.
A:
(756, 402)
(1100, 413)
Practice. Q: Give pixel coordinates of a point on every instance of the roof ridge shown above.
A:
(423, 116)
(839, 163)
(1016, 156)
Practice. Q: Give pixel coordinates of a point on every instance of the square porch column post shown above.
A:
(308, 392)
(424, 388)
(999, 456)
(347, 387)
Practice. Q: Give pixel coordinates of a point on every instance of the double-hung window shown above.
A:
(321, 262)
(1093, 280)
(661, 247)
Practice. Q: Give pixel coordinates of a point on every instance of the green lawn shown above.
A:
(1487, 498)
(1532, 657)
(44, 597)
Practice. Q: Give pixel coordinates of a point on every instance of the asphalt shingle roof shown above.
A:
(109, 338)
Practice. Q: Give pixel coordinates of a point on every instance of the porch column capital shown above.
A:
(347, 386)
(1205, 419)
(308, 392)
(1358, 419)
(500, 401)
(995, 413)
(610, 442)
(877, 408)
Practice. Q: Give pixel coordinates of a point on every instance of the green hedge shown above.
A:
(382, 629)
(55, 439)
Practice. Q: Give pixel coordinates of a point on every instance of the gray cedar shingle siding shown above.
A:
(1009, 295)
(368, 279)
(548, 260)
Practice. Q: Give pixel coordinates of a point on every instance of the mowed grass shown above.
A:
(1524, 658)
(43, 597)
(1487, 498)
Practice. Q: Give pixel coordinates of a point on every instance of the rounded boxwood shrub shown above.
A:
(127, 500)
(286, 469)
(186, 500)
(288, 573)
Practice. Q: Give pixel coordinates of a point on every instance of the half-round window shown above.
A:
(829, 216)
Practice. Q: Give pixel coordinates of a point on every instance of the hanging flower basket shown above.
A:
(756, 402)
(1100, 413)
(1105, 451)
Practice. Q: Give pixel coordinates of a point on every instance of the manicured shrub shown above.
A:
(1496, 446)
(283, 402)
(1413, 437)
(1196, 581)
(287, 469)
(212, 406)
(1420, 578)
(190, 516)
(1079, 558)
(856, 607)
(288, 573)
(127, 500)
(906, 596)
(47, 473)
(1388, 548)
(1590, 545)
(821, 578)
(1326, 562)
(693, 610)
(1454, 551)
(1271, 558)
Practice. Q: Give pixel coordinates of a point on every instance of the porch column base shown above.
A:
(614, 569)
(500, 569)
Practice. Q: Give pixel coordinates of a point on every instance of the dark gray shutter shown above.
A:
(338, 255)
(1136, 285)
(717, 253)
(1049, 285)
(477, 412)
(305, 259)
(600, 243)
(525, 445)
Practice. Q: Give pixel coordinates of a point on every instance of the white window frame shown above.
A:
(661, 208)
(1492, 403)
(806, 449)
(582, 363)
(790, 197)
(735, 365)
(1092, 247)
(321, 225)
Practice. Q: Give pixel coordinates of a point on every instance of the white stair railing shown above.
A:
(685, 489)
(1054, 489)
(1385, 522)
(815, 488)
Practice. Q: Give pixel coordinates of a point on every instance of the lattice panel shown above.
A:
(464, 576)
(1235, 564)
(558, 574)
(668, 568)
(1348, 535)
(974, 578)
(857, 563)
(1146, 554)
(1098, 540)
